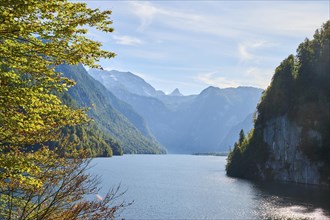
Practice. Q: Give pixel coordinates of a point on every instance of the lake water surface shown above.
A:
(196, 187)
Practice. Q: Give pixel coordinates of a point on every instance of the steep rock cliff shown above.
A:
(286, 161)
(291, 136)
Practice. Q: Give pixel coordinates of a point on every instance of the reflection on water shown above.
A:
(292, 212)
(196, 187)
(286, 200)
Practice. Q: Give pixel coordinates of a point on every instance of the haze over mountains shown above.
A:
(112, 115)
(207, 122)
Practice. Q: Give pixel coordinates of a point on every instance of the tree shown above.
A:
(64, 186)
(277, 99)
(35, 37)
(241, 137)
(299, 91)
(234, 162)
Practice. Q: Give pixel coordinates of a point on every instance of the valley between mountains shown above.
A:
(145, 120)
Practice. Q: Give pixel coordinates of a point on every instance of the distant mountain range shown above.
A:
(207, 122)
(110, 114)
(176, 92)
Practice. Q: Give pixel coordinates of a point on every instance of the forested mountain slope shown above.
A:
(109, 113)
(88, 136)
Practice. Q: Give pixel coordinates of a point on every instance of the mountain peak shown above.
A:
(210, 90)
(176, 92)
(117, 81)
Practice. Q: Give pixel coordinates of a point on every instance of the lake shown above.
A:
(196, 187)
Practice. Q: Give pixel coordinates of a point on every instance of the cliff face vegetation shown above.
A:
(290, 139)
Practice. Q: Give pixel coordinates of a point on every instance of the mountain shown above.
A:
(88, 136)
(231, 136)
(176, 92)
(291, 136)
(124, 81)
(83, 136)
(110, 114)
(185, 124)
(203, 122)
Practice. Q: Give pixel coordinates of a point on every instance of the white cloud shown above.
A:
(148, 12)
(245, 49)
(211, 79)
(243, 53)
(289, 18)
(127, 40)
(241, 76)
(286, 18)
(258, 77)
(145, 11)
(247, 39)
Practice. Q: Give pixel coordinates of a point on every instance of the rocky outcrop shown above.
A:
(286, 161)
(291, 136)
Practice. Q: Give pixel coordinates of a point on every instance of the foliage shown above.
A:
(29, 112)
(277, 98)
(299, 90)
(241, 137)
(88, 136)
(56, 188)
(35, 37)
(248, 152)
(93, 140)
(104, 109)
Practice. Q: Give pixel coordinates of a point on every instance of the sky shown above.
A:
(192, 45)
